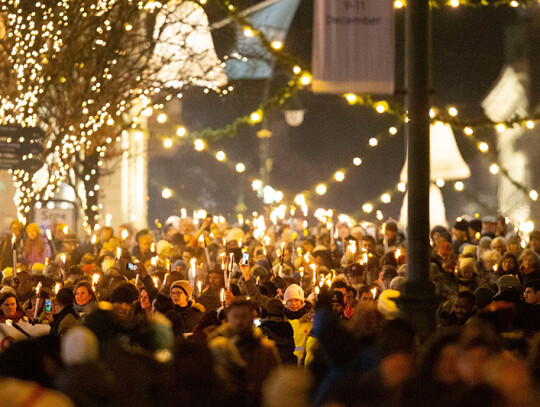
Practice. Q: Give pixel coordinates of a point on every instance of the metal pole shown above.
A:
(417, 303)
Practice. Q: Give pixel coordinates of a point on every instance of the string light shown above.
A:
(256, 116)
(167, 143)
(162, 118)
(440, 182)
(533, 195)
(501, 127)
(256, 185)
(321, 189)
(385, 198)
(305, 79)
(181, 131)
(483, 147)
(459, 186)
(277, 45)
(357, 161)
(199, 144)
(339, 176)
(220, 156)
(494, 169)
(166, 193)
(240, 167)
(468, 131)
(373, 142)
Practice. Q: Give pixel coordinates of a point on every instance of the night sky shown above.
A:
(468, 54)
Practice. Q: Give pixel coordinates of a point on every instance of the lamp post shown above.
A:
(294, 117)
(417, 303)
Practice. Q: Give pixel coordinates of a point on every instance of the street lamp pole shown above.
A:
(264, 135)
(417, 303)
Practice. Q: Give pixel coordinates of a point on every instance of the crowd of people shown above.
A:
(200, 313)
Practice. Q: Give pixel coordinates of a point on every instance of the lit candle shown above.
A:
(56, 288)
(38, 293)
(14, 247)
(199, 287)
(156, 281)
(125, 234)
(65, 229)
(118, 252)
(374, 292)
(222, 296)
(108, 219)
(63, 258)
(153, 261)
(192, 272)
(95, 279)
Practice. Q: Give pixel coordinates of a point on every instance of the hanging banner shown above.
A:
(353, 46)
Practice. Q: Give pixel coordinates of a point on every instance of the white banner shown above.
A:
(10, 334)
(353, 46)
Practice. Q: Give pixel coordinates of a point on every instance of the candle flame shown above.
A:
(201, 239)
(14, 239)
(38, 289)
(222, 295)
(258, 280)
(56, 288)
(352, 246)
(95, 279)
(118, 252)
(199, 286)
(125, 234)
(374, 292)
(63, 258)
(317, 290)
(153, 247)
(398, 254)
(93, 239)
(156, 281)
(108, 219)
(153, 261)
(65, 230)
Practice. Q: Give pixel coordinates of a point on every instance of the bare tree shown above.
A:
(82, 70)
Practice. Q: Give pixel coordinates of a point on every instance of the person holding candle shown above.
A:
(36, 249)
(85, 298)
(22, 283)
(10, 243)
(210, 297)
(11, 309)
(37, 314)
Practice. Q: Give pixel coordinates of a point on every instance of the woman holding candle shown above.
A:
(85, 298)
(36, 249)
(10, 244)
(11, 309)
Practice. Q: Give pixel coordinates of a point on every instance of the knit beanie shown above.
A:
(122, 294)
(466, 261)
(79, 345)
(184, 286)
(294, 291)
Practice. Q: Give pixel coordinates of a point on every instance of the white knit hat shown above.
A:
(294, 291)
(79, 345)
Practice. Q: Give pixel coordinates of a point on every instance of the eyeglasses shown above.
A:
(176, 293)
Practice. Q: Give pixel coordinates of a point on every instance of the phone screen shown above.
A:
(47, 305)
(132, 266)
(245, 259)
